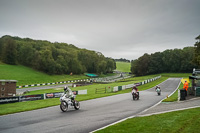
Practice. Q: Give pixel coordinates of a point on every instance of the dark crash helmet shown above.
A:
(134, 87)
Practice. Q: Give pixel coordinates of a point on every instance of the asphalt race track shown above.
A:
(92, 115)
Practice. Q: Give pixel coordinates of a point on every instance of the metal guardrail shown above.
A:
(107, 79)
(36, 97)
(55, 83)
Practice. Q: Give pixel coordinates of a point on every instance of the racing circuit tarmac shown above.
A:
(92, 115)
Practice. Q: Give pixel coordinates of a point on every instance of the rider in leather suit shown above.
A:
(68, 93)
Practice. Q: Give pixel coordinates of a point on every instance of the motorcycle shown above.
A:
(135, 94)
(67, 102)
(158, 90)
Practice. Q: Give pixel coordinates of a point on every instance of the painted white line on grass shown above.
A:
(135, 115)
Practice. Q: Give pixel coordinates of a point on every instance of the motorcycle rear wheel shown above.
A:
(133, 96)
(138, 95)
(76, 105)
(64, 106)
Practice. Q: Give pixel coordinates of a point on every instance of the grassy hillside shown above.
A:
(123, 66)
(25, 75)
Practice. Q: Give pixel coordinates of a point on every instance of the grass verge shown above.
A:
(172, 98)
(186, 121)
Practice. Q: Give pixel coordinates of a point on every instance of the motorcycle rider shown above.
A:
(135, 90)
(69, 93)
(157, 88)
(185, 87)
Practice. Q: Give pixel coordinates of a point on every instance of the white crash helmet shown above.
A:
(157, 86)
(66, 88)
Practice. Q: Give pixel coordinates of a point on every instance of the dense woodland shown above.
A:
(63, 58)
(176, 60)
(53, 58)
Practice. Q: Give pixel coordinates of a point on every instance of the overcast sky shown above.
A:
(116, 28)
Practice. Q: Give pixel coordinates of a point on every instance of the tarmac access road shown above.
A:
(92, 115)
(20, 91)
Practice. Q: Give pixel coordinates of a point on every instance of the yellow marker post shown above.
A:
(183, 80)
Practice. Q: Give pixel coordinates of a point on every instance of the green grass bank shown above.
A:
(123, 66)
(186, 121)
(27, 76)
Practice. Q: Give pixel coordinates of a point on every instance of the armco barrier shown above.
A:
(37, 97)
(58, 94)
(63, 82)
(9, 100)
(31, 97)
(21, 98)
(119, 88)
(80, 92)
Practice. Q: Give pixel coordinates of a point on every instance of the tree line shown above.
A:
(174, 60)
(53, 58)
(122, 60)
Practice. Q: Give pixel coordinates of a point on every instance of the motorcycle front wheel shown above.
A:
(64, 106)
(76, 105)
